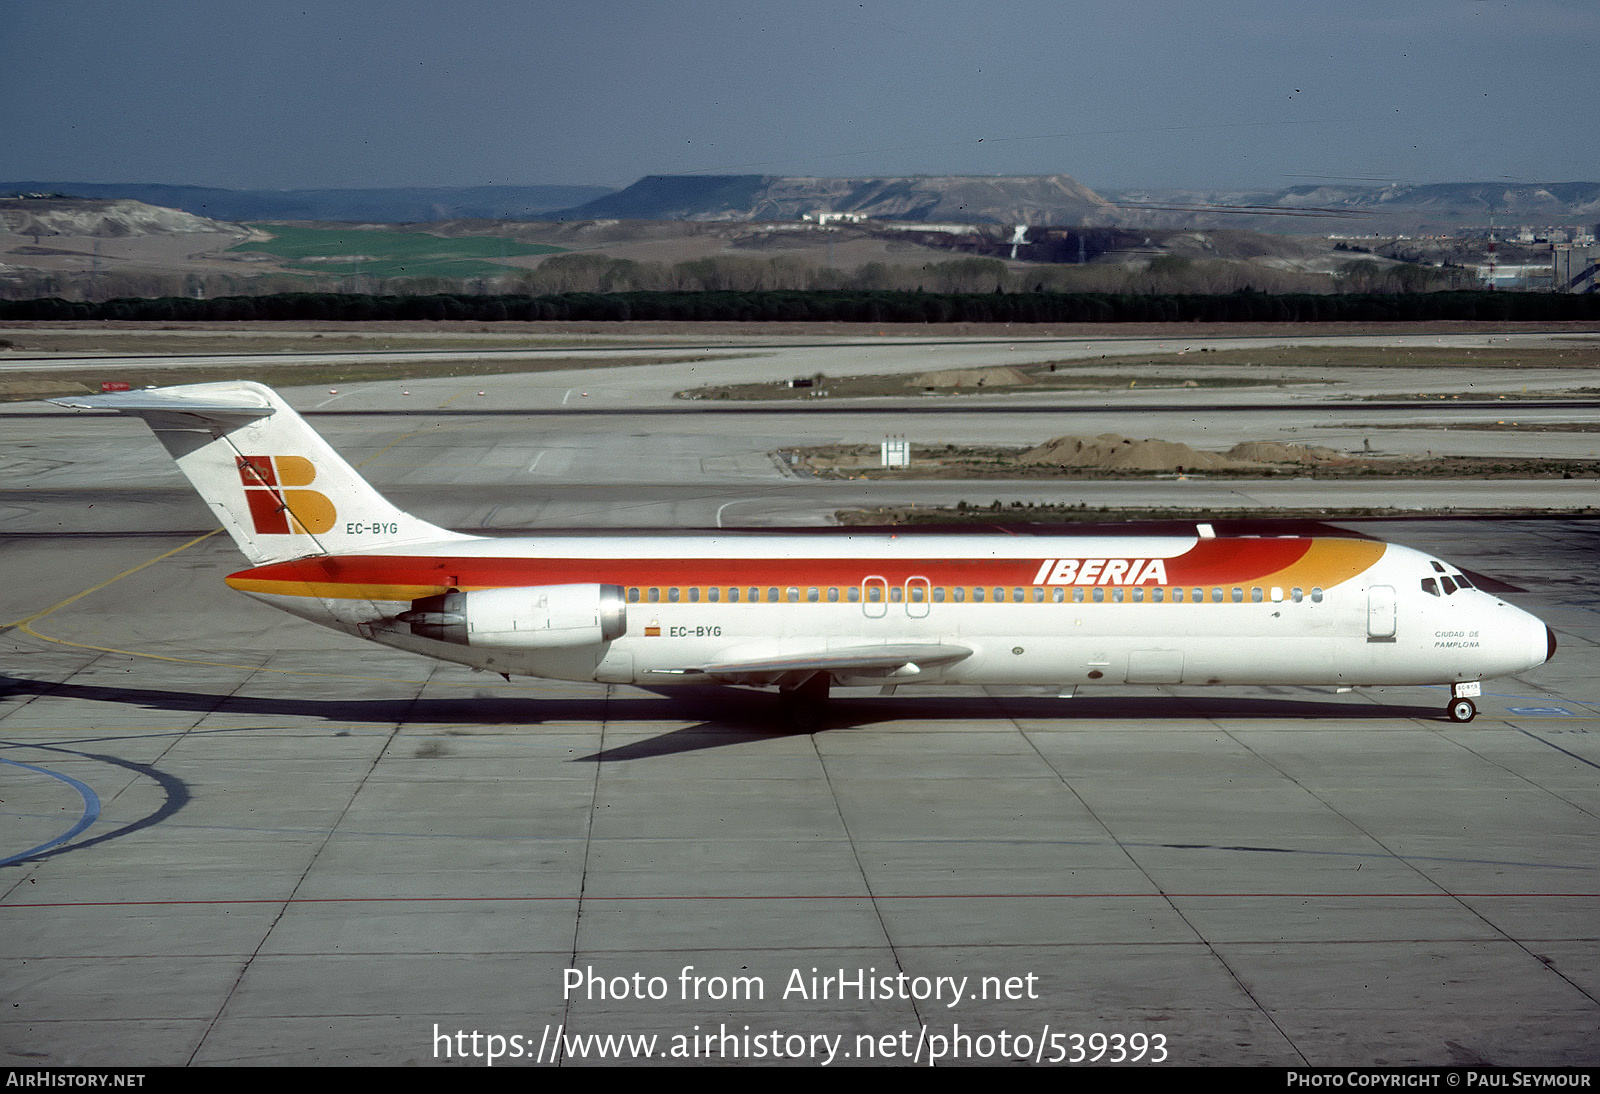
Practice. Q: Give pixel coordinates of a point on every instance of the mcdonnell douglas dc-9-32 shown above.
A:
(805, 612)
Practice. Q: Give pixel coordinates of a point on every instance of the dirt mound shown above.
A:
(1278, 452)
(1117, 453)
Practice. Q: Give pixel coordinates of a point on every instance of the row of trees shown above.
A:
(597, 273)
(835, 306)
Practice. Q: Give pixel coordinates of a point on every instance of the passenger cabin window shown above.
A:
(1316, 596)
(655, 595)
(673, 595)
(1296, 594)
(853, 594)
(633, 594)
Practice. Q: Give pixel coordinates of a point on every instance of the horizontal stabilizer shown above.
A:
(240, 402)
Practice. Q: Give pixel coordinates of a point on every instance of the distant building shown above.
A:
(829, 218)
(1573, 267)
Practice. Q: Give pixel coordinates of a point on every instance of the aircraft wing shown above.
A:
(853, 661)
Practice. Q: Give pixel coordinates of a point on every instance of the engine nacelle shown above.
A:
(527, 617)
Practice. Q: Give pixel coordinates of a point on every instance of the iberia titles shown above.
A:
(1102, 571)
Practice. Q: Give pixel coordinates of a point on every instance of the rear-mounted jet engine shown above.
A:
(525, 617)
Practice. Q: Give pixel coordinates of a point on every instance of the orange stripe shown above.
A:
(1329, 562)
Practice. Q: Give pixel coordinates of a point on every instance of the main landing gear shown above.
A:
(804, 705)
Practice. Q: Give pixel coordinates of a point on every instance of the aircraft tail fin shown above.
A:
(279, 489)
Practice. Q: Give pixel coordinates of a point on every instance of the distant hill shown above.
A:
(1026, 199)
(102, 219)
(1436, 207)
(403, 205)
(1036, 200)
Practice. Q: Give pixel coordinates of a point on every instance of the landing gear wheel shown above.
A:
(803, 707)
(1462, 710)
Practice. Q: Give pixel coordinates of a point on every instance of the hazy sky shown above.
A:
(1228, 93)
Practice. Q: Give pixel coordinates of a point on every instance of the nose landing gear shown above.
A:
(1462, 708)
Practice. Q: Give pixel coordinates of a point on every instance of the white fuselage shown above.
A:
(1034, 610)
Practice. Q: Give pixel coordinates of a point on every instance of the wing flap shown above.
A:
(852, 661)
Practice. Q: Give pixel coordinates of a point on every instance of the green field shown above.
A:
(381, 253)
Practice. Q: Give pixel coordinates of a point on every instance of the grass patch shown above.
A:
(992, 380)
(45, 383)
(376, 252)
(260, 337)
(1018, 514)
(953, 462)
(1573, 355)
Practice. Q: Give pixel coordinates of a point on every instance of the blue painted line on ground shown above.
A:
(91, 811)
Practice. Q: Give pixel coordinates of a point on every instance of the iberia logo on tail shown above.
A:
(277, 505)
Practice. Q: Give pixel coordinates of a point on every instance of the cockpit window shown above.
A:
(1461, 580)
(1430, 586)
(1438, 567)
(1448, 585)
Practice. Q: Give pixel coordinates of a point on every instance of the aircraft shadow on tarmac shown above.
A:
(724, 716)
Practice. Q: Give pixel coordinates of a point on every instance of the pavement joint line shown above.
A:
(668, 897)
